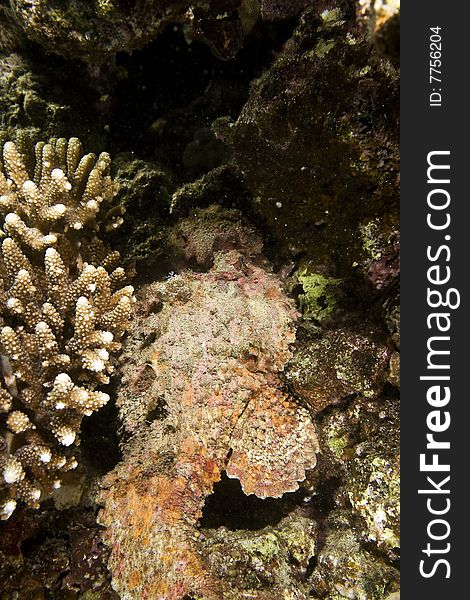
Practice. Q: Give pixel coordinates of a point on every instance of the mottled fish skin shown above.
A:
(221, 341)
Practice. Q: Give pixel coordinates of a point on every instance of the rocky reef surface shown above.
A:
(249, 442)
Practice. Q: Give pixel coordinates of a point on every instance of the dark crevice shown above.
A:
(99, 440)
(229, 507)
(324, 500)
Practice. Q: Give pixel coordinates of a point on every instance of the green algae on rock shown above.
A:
(364, 440)
(267, 564)
(320, 293)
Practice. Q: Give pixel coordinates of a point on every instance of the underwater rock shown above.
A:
(364, 439)
(373, 482)
(201, 394)
(144, 188)
(214, 229)
(222, 184)
(46, 554)
(392, 320)
(96, 31)
(341, 362)
(276, 10)
(267, 564)
(93, 31)
(394, 369)
(11, 38)
(346, 570)
(223, 35)
(317, 144)
(205, 151)
(39, 99)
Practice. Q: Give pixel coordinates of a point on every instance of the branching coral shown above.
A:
(64, 308)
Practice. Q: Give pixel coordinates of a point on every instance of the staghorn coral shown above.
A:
(64, 308)
(204, 397)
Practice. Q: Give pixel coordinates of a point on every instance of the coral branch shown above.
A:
(64, 309)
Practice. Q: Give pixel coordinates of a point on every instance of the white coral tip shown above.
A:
(12, 474)
(82, 302)
(67, 439)
(50, 252)
(29, 185)
(63, 379)
(45, 456)
(59, 209)
(7, 509)
(12, 218)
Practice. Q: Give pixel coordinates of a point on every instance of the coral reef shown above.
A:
(64, 309)
(253, 447)
(204, 397)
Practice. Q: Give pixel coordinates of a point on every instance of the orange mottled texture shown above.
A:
(215, 402)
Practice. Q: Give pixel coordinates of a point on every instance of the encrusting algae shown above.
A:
(64, 310)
